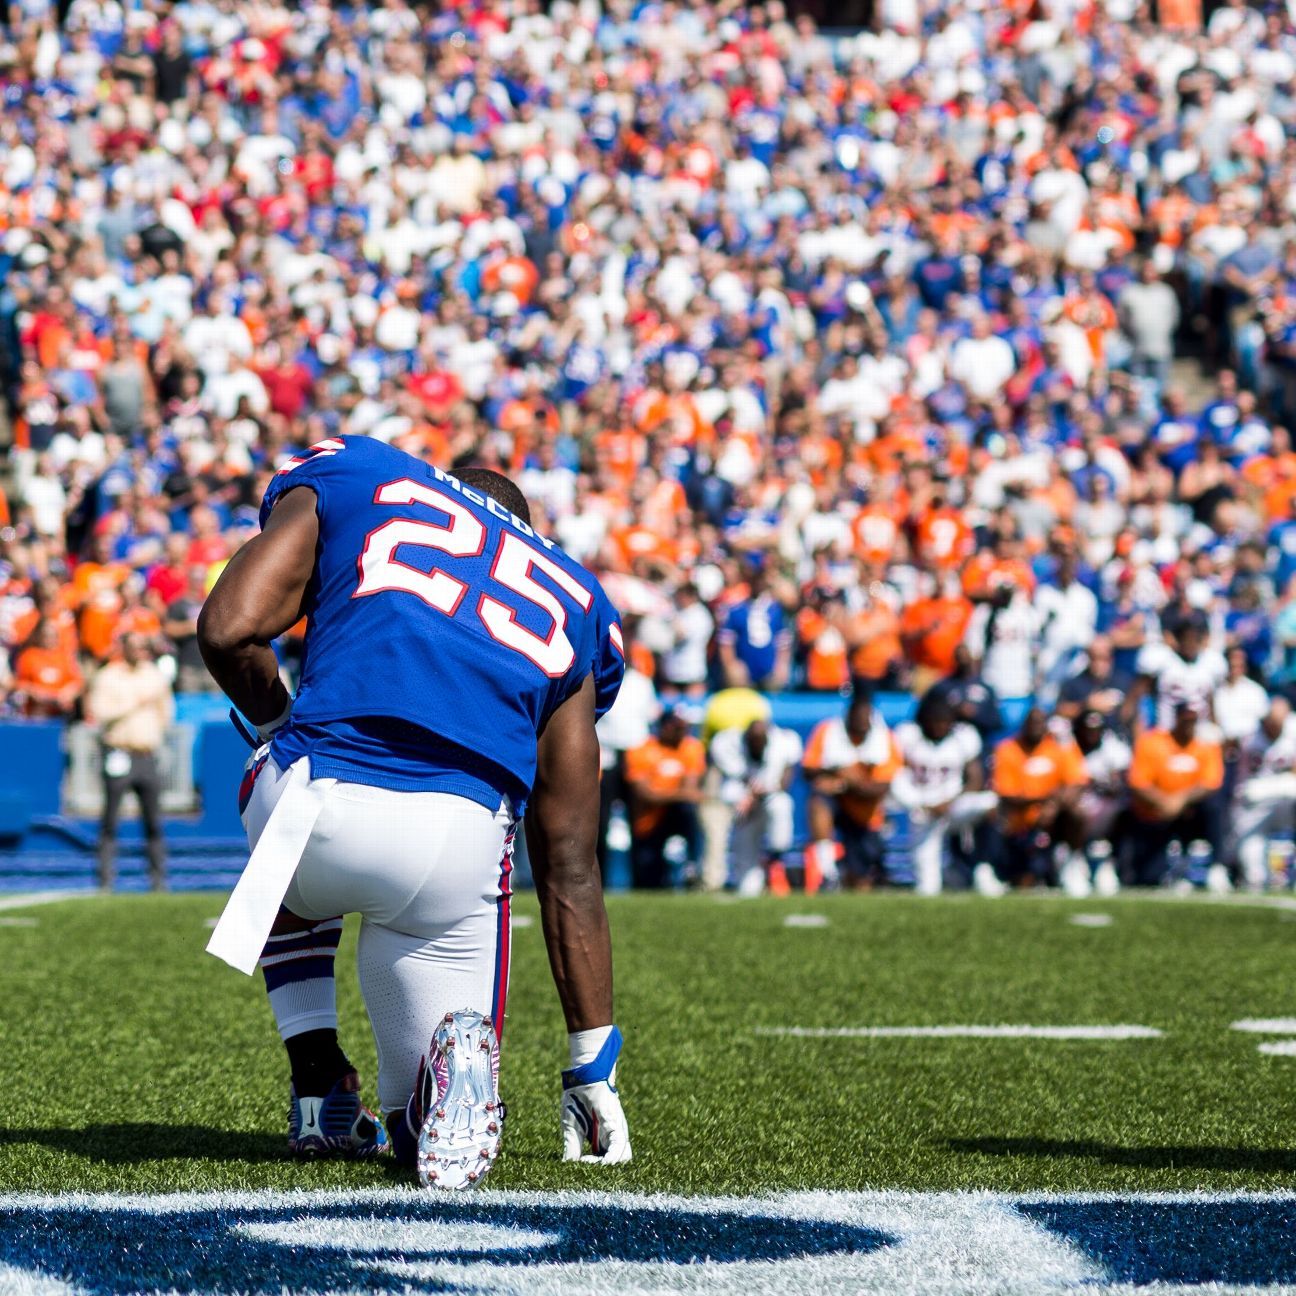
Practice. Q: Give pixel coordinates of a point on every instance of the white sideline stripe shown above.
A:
(1090, 920)
(964, 1032)
(1278, 1048)
(805, 920)
(757, 1203)
(19, 922)
(1267, 1025)
(44, 898)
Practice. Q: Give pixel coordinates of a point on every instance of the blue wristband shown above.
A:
(598, 1070)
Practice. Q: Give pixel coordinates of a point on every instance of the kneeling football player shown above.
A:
(454, 665)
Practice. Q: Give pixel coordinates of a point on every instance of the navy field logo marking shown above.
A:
(391, 1241)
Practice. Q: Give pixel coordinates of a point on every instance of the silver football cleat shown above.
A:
(464, 1118)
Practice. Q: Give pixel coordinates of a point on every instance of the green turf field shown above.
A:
(131, 1060)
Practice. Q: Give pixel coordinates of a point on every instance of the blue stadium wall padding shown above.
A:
(40, 848)
(218, 768)
(33, 773)
(802, 711)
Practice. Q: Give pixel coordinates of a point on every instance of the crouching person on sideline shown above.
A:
(1175, 778)
(940, 785)
(1103, 808)
(850, 763)
(756, 768)
(1039, 777)
(664, 777)
(1266, 793)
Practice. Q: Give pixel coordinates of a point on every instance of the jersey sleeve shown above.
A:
(609, 655)
(1151, 659)
(813, 760)
(639, 763)
(318, 467)
(726, 753)
(1212, 766)
(892, 765)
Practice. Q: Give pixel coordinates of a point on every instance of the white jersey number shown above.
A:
(463, 535)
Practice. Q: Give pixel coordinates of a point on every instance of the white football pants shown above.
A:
(429, 875)
(1266, 805)
(764, 831)
(931, 834)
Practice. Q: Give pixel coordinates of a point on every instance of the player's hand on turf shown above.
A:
(591, 1110)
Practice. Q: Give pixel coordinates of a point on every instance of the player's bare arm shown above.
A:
(259, 596)
(562, 830)
(826, 782)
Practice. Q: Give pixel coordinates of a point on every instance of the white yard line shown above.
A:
(964, 1032)
(1267, 1025)
(1278, 1048)
(1091, 920)
(43, 898)
(805, 920)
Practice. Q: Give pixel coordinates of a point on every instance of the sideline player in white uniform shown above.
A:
(455, 663)
(756, 767)
(940, 785)
(1183, 672)
(1102, 803)
(1266, 793)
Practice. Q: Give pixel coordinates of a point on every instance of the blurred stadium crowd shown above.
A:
(849, 363)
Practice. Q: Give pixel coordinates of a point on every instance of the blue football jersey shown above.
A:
(437, 613)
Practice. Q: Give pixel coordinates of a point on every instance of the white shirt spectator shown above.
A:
(398, 328)
(1240, 705)
(90, 450)
(686, 661)
(474, 362)
(213, 339)
(1006, 645)
(554, 488)
(1068, 621)
(223, 391)
(982, 364)
(47, 500)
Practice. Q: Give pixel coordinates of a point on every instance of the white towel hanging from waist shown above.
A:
(250, 912)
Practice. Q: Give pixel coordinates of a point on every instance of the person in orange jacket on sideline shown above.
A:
(1175, 777)
(850, 761)
(664, 776)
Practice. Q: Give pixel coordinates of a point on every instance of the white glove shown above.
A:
(591, 1109)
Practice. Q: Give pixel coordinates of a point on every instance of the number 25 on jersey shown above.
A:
(463, 535)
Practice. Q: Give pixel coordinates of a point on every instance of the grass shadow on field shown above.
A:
(134, 1143)
(1257, 1160)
